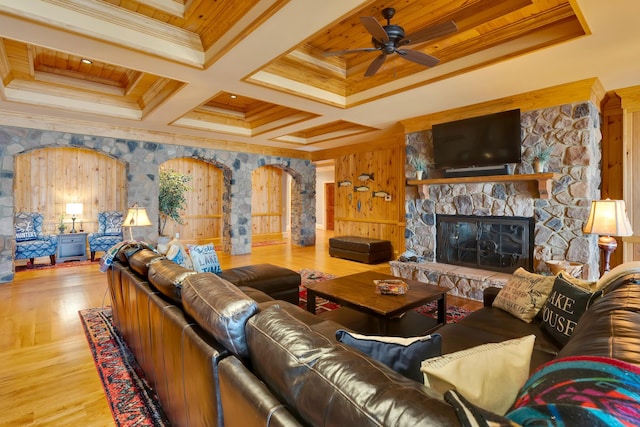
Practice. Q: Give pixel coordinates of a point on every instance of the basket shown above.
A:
(571, 268)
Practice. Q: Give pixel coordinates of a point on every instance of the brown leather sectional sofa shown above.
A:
(220, 354)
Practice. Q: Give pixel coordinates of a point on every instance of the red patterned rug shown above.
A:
(28, 266)
(132, 401)
(454, 313)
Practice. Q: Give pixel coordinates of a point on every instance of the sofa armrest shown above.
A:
(489, 295)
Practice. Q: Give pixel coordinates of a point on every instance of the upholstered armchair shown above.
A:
(31, 242)
(109, 232)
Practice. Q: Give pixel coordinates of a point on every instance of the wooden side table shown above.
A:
(72, 246)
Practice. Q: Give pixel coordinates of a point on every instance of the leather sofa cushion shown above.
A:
(326, 383)
(255, 294)
(166, 276)
(139, 261)
(220, 308)
(246, 401)
(502, 324)
(609, 327)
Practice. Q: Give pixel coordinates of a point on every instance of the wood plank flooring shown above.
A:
(47, 375)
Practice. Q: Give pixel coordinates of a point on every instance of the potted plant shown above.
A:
(61, 226)
(419, 163)
(541, 157)
(172, 200)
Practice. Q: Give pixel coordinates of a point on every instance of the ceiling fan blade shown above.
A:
(429, 33)
(344, 52)
(375, 65)
(418, 57)
(374, 28)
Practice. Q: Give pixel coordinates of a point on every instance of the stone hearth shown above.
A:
(499, 244)
(573, 131)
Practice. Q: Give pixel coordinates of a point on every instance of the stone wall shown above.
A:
(143, 160)
(573, 132)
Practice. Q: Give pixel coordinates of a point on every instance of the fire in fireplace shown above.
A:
(488, 242)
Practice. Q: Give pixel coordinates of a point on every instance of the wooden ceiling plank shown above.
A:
(74, 75)
(133, 79)
(166, 6)
(75, 84)
(6, 76)
(31, 59)
(158, 94)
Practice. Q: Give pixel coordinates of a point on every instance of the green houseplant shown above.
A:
(172, 200)
(419, 163)
(541, 157)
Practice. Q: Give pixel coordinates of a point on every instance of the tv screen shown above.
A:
(489, 140)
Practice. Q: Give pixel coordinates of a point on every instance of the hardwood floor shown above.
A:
(48, 377)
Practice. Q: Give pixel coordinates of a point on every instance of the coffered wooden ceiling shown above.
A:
(253, 74)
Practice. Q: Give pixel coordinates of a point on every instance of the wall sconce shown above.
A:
(136, 217)
(74, 209)
(608, 218)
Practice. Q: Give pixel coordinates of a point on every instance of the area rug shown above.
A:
(132, 401)
(454, 313)
(67, 264)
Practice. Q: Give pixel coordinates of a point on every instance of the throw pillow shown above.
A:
(489, 375)
(178, 254)
(564, 307)
(403, 355)
(205, 259)
(585, 284)
(524, 294)
(580, 391)
(25, 229)
(113, 223)
(471, 415)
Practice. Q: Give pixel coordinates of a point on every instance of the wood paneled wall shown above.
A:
(358, 212)
(49, 178)
(266, 203)
(203, 214)
(613, 158)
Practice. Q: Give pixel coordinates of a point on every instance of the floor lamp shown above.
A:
(136, 217)
(608, 218)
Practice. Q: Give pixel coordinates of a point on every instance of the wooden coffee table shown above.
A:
(365, 311)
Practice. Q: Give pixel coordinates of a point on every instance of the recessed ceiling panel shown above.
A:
(241, 115)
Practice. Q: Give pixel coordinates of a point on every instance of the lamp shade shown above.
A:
(608, 218)
(136, 217)
(74, 208)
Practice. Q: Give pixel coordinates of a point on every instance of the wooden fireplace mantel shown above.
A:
(542, 181)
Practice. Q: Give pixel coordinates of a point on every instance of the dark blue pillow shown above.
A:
(403, 355)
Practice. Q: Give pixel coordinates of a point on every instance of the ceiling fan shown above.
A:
(390, 38)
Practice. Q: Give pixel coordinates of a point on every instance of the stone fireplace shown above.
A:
(573, 132)
(491, 243)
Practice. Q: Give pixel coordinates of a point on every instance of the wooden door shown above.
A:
(330, 204)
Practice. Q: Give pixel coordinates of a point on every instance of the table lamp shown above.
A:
(608, 218)
(74, 209)
(136, 217)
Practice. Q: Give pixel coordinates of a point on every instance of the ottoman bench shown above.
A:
(278, 282)
(363, 249)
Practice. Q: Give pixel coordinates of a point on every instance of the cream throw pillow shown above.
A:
(489, 375)
(524, 294)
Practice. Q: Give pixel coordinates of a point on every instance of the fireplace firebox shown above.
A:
(488, 242)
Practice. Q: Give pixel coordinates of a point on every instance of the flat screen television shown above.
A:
(490, 140)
